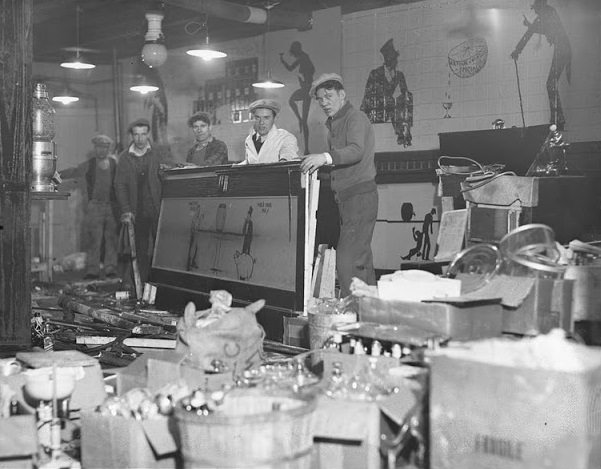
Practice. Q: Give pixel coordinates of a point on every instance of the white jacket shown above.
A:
(279, 145)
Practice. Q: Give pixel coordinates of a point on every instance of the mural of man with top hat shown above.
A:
(387, 98)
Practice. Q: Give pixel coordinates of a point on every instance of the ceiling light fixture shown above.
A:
(78, 62)
(205, 51)
(143, 83)
(67, 96)
(268, 82)
(154, 52)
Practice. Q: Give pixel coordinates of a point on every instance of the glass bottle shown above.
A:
(336, 384)
(43, 114)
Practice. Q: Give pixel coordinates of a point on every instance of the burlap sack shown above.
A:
(235, 339)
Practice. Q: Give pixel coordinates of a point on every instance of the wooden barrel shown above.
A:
(250, 430)
(320, 326)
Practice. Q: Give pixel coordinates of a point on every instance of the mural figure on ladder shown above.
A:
(306, 70)
(548, 23)
(387, 98)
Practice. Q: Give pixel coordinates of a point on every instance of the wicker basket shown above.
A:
(320, 326)
(246, 432)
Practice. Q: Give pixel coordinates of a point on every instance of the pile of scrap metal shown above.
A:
(110, 330)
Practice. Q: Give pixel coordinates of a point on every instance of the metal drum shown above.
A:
(586, 298)
(43, 166)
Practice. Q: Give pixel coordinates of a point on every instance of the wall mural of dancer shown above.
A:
(548, 23)
(306, 70)
(157, 104)
(387, 98)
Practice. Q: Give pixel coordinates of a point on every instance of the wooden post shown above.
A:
(16, 93)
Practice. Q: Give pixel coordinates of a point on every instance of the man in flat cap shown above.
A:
(351, 153)
(100, 214)
(138, 190)
(266, 143)
(207, 150)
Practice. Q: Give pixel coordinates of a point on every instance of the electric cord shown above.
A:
(484, 174)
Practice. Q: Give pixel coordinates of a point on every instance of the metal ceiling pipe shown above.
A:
(245, 14)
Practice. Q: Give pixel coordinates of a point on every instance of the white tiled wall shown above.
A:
(425, 32)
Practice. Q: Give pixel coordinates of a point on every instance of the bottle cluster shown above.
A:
(349, 343)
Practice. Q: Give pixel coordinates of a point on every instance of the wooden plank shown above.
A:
(15, 171)
(136, 342)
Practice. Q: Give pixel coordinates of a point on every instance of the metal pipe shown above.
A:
(245, 14)
(116, 103)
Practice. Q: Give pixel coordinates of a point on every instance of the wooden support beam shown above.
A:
(15, 172)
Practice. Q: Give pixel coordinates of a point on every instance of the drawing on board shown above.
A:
(233, 238)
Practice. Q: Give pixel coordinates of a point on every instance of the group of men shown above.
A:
(133, 186)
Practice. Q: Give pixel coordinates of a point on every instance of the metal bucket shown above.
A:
(586, 297)
(246, 432)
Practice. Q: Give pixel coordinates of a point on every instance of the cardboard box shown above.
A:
(347, 433)
(473, 321)
(118, 442)
(170, 369)
(495, 416)
(18, 441)
(296, 331)
(547, 306)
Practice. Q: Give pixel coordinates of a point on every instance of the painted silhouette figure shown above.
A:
(195, 226)
(415, 251)
(244, 261)
(427, 230)
(387, 98)
(218, 235)
(547, 23)
(306, 69)
(157, 103)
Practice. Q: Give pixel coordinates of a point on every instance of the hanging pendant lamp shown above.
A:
(205, 51)
(154, 52)
(77, 62)
(268, 82)
(143, 82)
(66, 96)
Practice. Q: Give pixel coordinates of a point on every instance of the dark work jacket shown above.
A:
(91, 178)
(91, 182)
(126, 180)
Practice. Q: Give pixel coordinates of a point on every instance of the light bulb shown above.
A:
(154, 54)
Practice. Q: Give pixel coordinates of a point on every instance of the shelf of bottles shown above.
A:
(234, 91)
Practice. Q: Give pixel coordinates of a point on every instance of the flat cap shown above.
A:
(138, 123)
(322, 79)
(102, 139)
(265, 104)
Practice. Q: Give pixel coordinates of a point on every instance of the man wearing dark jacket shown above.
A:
(100, 218)
(138, 190)
(351, 152)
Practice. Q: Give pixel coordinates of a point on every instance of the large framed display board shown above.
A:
(245, 229)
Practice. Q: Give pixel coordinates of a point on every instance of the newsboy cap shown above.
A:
(138, 123)
(322, 79)
(102, 139)
(265, 104)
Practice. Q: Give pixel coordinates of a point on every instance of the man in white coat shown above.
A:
(266, 143)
